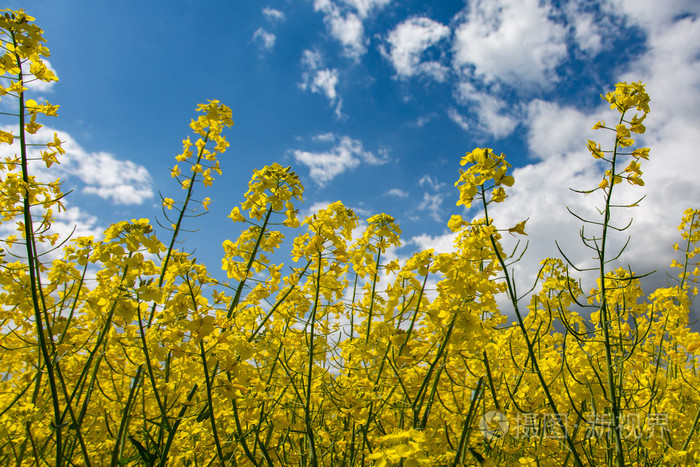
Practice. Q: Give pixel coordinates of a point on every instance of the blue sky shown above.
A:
(374, 102)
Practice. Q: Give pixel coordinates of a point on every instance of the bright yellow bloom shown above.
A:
(595, 149)
(6, 137)
(519, 228)
(485, 166)
(236, 215)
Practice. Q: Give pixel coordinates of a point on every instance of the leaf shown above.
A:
(146, 456)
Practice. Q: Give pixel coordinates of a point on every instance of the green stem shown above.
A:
(466, 429)
(176, 425)
(374, 285)
(210, 400)
(178, 225)
(34, 270)
(313, 459)
(121, 435)
(253, 254)
(604, 312)
(521, 323)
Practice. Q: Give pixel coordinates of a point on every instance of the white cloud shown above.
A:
(554, 130)
(431, 203)
(266, 40)
(345, 22)
(671, 69)
(407, 43)
(459, 119)
(397, 192)
(557, 134)
(541, 193)
(430, 182)
(586, 29)
(320, 80)
(122, 182)
(311, 60)
(651, 15)
(513, 41)
(273, 15)
(98, 173)
(323, 138)
(493, 115)
(323, 5)
(325, 82)
(348, 29)
(440, 243)
(345, 154)
(365, 7)
(421, 121)
(345, 26)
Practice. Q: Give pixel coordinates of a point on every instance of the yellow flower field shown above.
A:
(126, 351)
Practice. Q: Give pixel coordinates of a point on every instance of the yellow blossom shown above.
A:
(519, 228)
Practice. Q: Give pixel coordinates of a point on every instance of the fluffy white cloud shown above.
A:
(493, 116)
(651, 15)
(423, 120)
(320, 80)
(325, 82)
(432, 203)
(122, 182)
(397, 192)
(345, 26)
(554, 130)
(365, 7)
(430, 182)
(407, 43)
(97, 173)
(345, 154)
(345, 22)
(266, 40)
(586, 28)
(348, 29)
(433, 198)
(556, 136)
(440, 243)
(458, 118)
(273, 15)
(671, 69)
(513, 41)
